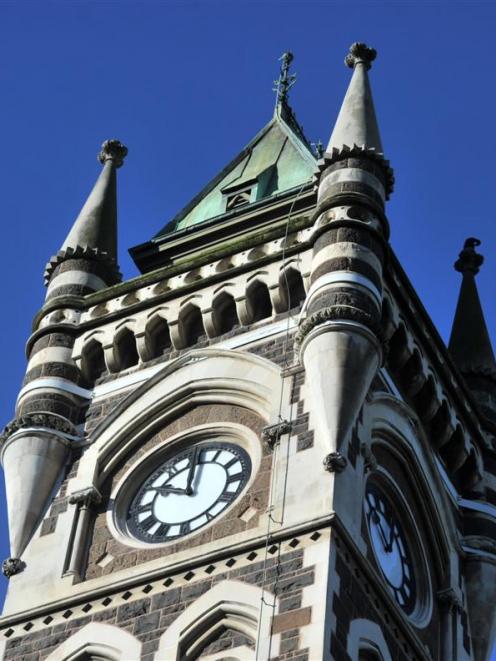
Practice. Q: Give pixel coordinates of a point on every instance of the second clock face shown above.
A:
(391, 548)
(187, 491)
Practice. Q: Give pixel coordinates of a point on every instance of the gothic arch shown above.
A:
(366, 637)
(228, 605)
(100, 641)
(204, 376)
(395, 427)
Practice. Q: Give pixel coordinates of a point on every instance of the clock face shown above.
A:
(187, 491)
(390, 547)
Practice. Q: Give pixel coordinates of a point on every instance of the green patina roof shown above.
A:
(277, 159)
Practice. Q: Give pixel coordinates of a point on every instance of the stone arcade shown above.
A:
(260, 447)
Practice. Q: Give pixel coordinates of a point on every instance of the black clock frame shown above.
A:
(136, 528)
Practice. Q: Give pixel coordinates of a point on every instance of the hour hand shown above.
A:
(165, 490)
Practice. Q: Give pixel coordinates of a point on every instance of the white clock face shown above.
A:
(390, 547)
(188, 491)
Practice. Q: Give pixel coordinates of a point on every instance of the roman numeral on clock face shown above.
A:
(226, 497)
(147, 523)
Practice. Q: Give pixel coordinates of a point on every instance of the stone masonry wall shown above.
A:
(147, 610)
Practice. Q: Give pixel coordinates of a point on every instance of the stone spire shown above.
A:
(94, 233)
(341, 318)
(470, 344)
(356, 133)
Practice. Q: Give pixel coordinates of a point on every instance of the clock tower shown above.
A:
(258, 448)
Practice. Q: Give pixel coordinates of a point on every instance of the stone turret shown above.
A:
(38, 443)
(339, 335)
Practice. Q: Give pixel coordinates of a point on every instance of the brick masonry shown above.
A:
(147, 618)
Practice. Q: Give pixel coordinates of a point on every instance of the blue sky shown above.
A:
(187, 84)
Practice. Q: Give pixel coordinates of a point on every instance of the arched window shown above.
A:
(98, 642)
(92, 361)
(224, 618)
(259, 302)
(293, 290)
(192, 324)
(158, 336)
(125, 348)
(225, 314)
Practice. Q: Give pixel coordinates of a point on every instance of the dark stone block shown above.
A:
(289, 645)
(196, 590)
(290, 603)
(133, 610)
(296, 583)
(146, 623)
(166, 599)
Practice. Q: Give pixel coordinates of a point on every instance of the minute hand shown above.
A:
(191, 473)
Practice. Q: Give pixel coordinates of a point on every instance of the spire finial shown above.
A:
(468, 260)
(113, 150)
(285, 81)
(360, 53)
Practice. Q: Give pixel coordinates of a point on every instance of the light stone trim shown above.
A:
(51, 355)
(354, 174)
(247, 380)
(365, 635)
(54, 384)
(99, 640)
(234, 603)
(342, 277)
(76, 278)
(238, 280)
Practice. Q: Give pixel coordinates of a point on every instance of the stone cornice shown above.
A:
(42, 419)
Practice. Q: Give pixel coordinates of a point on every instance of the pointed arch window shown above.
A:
(259, 302)
(125, 347)
(226, 316)
(192, 325)
(158, 336)
(293, 289)
(93, 361)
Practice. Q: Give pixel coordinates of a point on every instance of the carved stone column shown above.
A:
(85, 500)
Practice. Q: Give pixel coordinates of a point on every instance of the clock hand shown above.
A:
(166, 490)
(377, 521)
(191, 473)
(391, 532)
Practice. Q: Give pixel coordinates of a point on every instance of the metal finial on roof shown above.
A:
(285, 81)
(360, 53)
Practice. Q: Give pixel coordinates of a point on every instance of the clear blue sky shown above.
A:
(187, 84)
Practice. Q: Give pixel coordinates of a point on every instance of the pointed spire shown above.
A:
(357, 124)
(470, 344)
(94, 233)
(356, 132)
